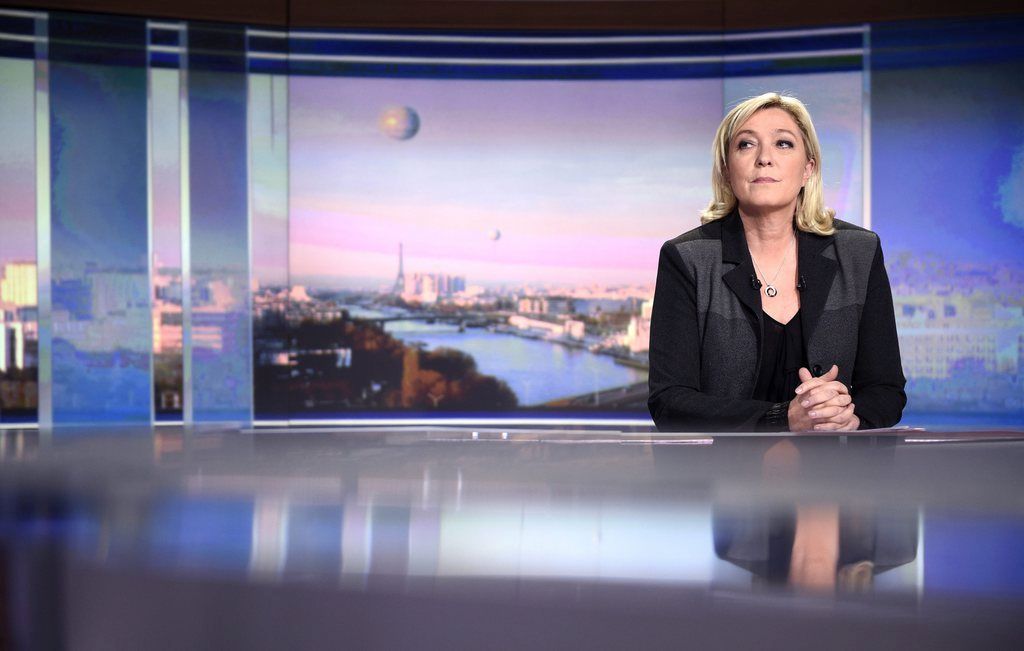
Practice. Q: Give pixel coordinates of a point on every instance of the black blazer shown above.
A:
(707, 326)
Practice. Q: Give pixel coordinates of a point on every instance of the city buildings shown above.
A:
(429, 288)
(12, 345)
(18, 300)
(18, 286)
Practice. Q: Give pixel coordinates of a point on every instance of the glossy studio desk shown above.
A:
(455, 538)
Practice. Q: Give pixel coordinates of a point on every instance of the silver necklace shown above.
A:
(769, 288)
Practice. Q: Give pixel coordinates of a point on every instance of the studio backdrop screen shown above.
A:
(363, 225)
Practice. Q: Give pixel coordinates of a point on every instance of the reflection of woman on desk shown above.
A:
(773, 299)
(814, 544)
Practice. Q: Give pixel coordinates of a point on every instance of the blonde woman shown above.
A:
(773, 314)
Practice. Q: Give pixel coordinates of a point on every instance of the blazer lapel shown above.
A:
(740, 279)
(817, 273)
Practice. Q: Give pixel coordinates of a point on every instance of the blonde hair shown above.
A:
(811, 215)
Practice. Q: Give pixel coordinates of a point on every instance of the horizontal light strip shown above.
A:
(392, 422)
(556, 40)
(435, 432)
(473, 422)
(967, 437)
(4, 36)
(631, 439)
(338, 58)
(18, 13)
(634, 61)
(168, 27)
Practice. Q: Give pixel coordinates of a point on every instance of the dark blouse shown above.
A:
(782, 355)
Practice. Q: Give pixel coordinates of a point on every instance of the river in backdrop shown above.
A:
(537, 371)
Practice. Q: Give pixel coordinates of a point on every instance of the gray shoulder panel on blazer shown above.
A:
(854, 250)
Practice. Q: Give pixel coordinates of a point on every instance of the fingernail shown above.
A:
(805, 403)
(813, 414)
(799, 390)
(817, 427)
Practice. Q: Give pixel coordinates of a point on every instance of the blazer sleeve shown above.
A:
(878, 381)
(676, 401)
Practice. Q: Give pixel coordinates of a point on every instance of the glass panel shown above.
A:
(102, 326)
(43, 283)
(948, 195)
(218, 320)
(18, 285)
(268, 149)
(165, 174)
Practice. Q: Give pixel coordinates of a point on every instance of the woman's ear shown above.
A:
(808, 170)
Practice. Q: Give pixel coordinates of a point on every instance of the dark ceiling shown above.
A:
(655, 15)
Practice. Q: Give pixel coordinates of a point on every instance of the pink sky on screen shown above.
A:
(17, 162)
(18, 220)
(576, 176)
(515, 246)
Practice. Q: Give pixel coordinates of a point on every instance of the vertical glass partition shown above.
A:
(165, 114)
(101, 324)
(217, 316)
(268, 155)
(18, 284)
(948, 193)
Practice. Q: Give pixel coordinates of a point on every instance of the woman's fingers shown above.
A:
(823, 403)
(820, 414)
(829, 426)
(843, 420)
(822, 394)
(818, 396)
(841, 400)
(807, 382)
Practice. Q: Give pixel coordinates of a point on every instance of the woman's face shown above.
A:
(767, 163)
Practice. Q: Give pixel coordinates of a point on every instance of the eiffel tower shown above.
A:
(400, 280)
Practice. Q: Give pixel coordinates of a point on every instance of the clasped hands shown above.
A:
(821, 404)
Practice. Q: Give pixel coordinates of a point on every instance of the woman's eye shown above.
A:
(744, 144)
(785, 144)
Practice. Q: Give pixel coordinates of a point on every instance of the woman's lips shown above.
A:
(765, 179)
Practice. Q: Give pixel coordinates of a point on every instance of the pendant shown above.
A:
(771, 291)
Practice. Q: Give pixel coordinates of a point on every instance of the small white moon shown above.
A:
(494, 235)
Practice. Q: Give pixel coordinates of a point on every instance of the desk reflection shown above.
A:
(813, 544)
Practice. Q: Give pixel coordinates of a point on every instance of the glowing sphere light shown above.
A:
(399, 122)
